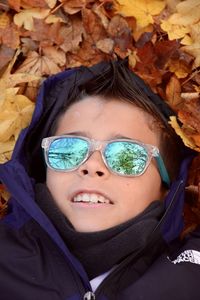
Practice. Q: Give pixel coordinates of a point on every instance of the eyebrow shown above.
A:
(85, 134)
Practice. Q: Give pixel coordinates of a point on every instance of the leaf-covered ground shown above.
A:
(39, 38)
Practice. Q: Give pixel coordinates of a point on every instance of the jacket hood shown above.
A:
(28, 156)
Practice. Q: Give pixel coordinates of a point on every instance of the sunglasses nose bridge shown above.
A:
(96, 145)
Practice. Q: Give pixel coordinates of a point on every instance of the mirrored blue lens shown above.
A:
(67, 153)
(126, 158)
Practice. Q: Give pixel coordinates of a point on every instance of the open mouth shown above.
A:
(91, 199)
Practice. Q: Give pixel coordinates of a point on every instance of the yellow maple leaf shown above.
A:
(175, 31)
(180, 23)
(15, 110)
(142, 10)
(194, 48)
(25, 17)
(15, 115)
(187, 140)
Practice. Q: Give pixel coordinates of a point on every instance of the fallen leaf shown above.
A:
(194, 50)
(25, 17)
(4, 20)
(71, 35)
(190, 96)
(142, 10)
(93, 26)
(175, 31)
(46, 34)
(15, 115)
(53, 19)
(173, 92)
(10, 36)
(119, 31)
(186, 139)
(34, 3)
(105, 45)
(39, 65)
(73, 6)
(56, 55)
(132, 59)
(51, 3)
(6, 54)
(179, 68)
(189, 115)
(101, 13)
(87, 55)
(15, 4)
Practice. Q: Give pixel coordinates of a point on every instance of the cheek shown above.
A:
(56, 183)
(140, 191)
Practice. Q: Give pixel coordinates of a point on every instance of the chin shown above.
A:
(90, 227)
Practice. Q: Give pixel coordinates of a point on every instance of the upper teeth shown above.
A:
(93, 198)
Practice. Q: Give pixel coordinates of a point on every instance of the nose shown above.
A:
(94, 166)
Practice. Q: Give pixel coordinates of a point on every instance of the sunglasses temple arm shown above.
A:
(163, 171)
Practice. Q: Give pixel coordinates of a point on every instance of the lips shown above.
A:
(90, 197)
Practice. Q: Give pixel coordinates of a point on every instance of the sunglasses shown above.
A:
(121, 156)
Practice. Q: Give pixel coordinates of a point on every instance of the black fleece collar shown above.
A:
(100, 251)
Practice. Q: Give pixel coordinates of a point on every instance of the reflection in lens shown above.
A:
(67, 153)
(126, 158)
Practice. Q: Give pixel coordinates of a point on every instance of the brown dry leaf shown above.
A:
(15, 4)
(28, 45)
(38, 65)
(173, 92)
(6, 54)
(101, 13)
(121, 34)
(56, 55)
(143, 33)
(71, 7)
(71, 35)
(142, 10)
(105, 45)
(10, 36)
(46, 34)
(194, 172)
(189, 115)
(93, 26)
(53, 19)
(33, 3)
(87, 55)
(146, 66)
(187, 140)
(25, 17)
(51, 3)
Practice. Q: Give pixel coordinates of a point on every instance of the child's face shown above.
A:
(103, 120)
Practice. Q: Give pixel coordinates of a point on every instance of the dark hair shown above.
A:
(119, 82)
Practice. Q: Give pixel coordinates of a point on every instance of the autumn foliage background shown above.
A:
(160, 38)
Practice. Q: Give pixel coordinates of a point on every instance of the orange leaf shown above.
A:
(93, 26)
(173, 92)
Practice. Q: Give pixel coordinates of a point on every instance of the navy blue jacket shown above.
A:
(35, 263)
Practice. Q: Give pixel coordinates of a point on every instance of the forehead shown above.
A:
(103, 118)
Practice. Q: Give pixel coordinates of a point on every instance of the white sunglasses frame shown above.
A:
(96, 145)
